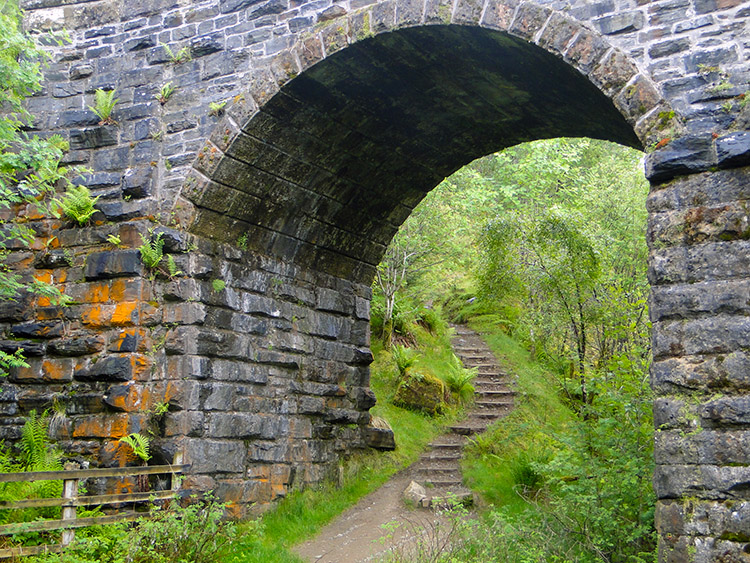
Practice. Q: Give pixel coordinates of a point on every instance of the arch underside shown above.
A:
(328, 169)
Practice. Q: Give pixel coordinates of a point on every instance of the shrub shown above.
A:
(191, 534)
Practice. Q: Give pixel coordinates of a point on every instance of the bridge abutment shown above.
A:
(700, 299)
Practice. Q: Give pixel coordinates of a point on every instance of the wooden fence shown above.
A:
(70, 501)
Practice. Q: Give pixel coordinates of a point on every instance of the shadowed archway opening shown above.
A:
(327, 169)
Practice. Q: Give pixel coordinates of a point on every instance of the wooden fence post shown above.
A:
(70, 491)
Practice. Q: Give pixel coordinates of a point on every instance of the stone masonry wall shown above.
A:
(265, 370)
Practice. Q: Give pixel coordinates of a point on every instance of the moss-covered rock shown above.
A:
(422, 391)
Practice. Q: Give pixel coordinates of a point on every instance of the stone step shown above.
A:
(443, 482)
(468, 430)
(494, 394)
(440, 470)
(491, 404)
(441, 455)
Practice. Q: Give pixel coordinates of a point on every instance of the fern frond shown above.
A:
(139, 444)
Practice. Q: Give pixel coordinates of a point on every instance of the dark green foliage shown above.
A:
(195, 533)
(77, 204)
(36, 454)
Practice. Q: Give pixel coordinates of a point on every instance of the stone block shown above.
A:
(240, 426)
(621, 22)
(112, 264)
(42, 329)
(528, 20)
(686, 155)
(110, 368)
(215, 456)
(733, 149)
(92, 138)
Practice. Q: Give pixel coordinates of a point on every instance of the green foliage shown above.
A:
(30, 167)
(216, 108)
(114, 240)
(139, 444)
(104, 104)
(77, 204)
(172, 269)
(152, 250)
(36, 454)
(195, 533)
(182, 56)
(165, 92)
(458, 379)
(242, 241)
(404, 358)
(218, 285)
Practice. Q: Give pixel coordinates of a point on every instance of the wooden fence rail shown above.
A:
(70, 501)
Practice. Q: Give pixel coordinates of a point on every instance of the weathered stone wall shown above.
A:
(340, 117)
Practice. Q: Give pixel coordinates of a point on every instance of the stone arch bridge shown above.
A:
(340, 117)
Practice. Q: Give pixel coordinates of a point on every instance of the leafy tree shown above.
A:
(29, 165)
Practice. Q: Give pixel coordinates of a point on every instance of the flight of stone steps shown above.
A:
(440, 466)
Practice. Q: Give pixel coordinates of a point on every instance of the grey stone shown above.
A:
(733, 149)
(112, 264)
(686, 155)
(111, 368)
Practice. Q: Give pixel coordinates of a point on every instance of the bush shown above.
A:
(195, 533)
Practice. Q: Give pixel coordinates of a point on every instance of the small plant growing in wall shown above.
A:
(114, 240)
(165, 92)
(216, 108)
(242, 241)
(152, 250)
(104, 104)
(77, 204)
(172, 270)
(139, 444)
(181, 56)
(218, 285)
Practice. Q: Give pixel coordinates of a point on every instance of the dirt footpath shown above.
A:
(358, 534)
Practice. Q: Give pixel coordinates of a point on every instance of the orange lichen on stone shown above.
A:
(57, 370)
(97, 293)
(97, 315)
(102, 426)
(126, 314)
(141, 367)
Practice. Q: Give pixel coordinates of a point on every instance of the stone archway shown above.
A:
(267, 377)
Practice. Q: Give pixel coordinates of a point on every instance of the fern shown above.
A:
(77, 204)
(152, 250)
(404, 358)
(172, 269)
(104, 103)
(139, 444)
(37, 454)
(458, 379)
